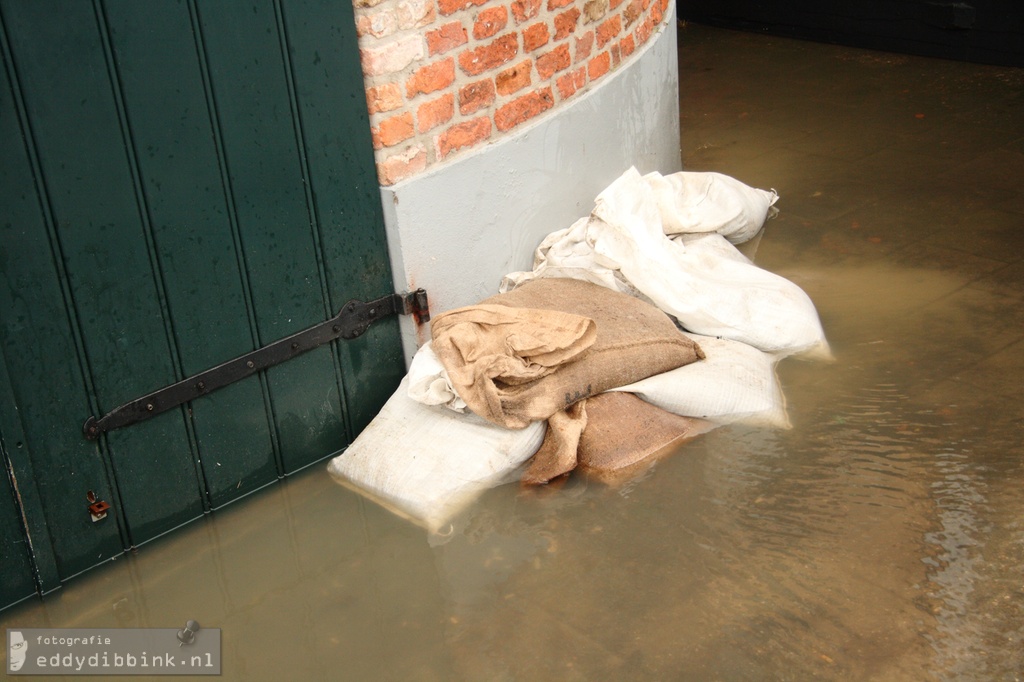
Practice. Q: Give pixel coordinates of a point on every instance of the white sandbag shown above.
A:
(709, 294)
(692, 202)
(427, 463)
(701, 280)
(566, 254)
(711, 243)
(429, 382)
(734, 383)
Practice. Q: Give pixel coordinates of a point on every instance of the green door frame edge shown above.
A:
(33, 517)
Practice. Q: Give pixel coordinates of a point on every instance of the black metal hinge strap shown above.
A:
(352, 321)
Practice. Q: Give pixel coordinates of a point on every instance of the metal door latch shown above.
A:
(352, 321)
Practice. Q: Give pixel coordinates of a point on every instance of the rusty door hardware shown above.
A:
(352, 321)
(97, 508)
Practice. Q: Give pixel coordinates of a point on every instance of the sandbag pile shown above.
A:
(539, 352)
(695, 275)
(521, 356)
(638, 326)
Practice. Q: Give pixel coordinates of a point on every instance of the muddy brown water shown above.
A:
(881, 538)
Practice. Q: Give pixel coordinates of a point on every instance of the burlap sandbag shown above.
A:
(609, 436)
(502, 384)
(623, 431)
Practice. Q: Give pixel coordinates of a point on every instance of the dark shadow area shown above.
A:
(981, 31)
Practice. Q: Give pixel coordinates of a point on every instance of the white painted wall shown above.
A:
(457, 230)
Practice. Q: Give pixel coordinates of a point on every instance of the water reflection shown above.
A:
(976, 585)
(953, 567)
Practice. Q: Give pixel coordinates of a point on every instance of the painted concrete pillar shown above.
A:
(496, 123)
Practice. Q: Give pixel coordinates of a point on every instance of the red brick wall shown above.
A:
(447, 76)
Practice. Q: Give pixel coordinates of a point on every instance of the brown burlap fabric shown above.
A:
(557, 454)
(560, 341)
(610, 436)
(623, 431)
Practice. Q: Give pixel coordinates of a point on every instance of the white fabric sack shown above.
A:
(734, 383)
(429, 383)
(710, 202)
(427, 463)
(706, 284)
(708, 294)
(712, 244)
(566, 253)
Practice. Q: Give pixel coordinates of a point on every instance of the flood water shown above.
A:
(881, 538)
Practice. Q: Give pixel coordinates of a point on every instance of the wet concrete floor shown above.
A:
(881, 538)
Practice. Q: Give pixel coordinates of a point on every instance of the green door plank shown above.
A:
(193, 224)
(47, 395)
(332, 109)
(33, 532)
(17, 579)
(254, 107)
(80, 141)
(26, 552)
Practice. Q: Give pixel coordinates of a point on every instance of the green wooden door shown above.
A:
(182, 181)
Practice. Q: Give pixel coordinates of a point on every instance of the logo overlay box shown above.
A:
(114, 651)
